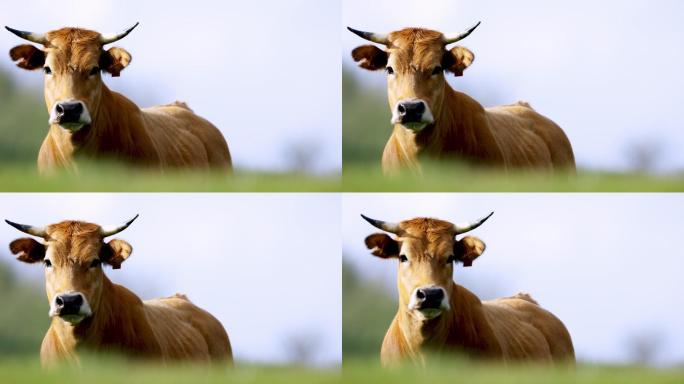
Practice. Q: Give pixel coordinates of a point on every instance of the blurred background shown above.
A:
(266, 73)
(267, 266)
(609, 73)
(606, 264)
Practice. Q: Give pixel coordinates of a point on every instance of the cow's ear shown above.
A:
(28, 250)
(457, 60)
(468, 249)
(27, 56)
(114, 60)
(370, 57)
(115, 252)
(382, 245)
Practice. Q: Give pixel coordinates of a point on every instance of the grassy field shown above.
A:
(117, 371)
(23, 177)
(464, 372)
(452, 178)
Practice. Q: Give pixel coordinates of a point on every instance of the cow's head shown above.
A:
(73, 253)
(415, 60)
(427, 250)
(72, 60)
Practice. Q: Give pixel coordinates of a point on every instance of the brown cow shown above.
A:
(91, 313)
(435, 314)
(431, 118)
(86, 118)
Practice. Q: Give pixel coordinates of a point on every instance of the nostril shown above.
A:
(78, 300)
(78, 108)
(420, 294)
(59, 301)
(402, 109)
(420, 107)
(60, 109)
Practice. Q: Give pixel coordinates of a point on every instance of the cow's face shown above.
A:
(73, 253)
(72, 60)
(427, 251)
(415, 61)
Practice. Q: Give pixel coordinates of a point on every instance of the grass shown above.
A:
(104, 371)
(91, 177)
(465, 372)
(453, 178)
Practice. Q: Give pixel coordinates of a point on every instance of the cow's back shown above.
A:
(185, 331)
(185, 139)
(527, 331)
(529, 139)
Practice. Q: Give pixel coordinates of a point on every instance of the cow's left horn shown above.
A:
(30, 36)
(113, 230)
(389, 227)
(370, 36)
(31, 230)
(463, 228)
(107, 39)
(451, 40)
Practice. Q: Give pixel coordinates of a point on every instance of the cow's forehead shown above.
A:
(427, 235)
(73, 36)
(73, 47)
(73, 229)
(73, 241)
(417, 47)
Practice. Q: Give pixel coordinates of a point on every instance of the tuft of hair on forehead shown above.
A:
(416, 36)
(416, 47)
(69, 228)
(67, 36)
(430, 228)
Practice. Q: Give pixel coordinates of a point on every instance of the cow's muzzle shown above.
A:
(413, 114)
(71, 115)
(72, 307)
(429, 301)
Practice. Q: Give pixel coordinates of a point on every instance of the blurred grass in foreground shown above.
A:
(450, 177)
(108, 177)
(456, 371)
(103, 371)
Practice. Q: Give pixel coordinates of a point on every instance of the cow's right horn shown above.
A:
(30, 36)
(370, 36)
(388, 227)
(31, 230)
(113, 230)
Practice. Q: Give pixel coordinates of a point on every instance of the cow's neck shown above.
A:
(463, 328)
(460, 131)
(118, 324)
(116, 131)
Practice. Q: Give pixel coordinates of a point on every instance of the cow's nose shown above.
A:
(69, 111)
(429, 297)
(411, 111)
(68, 303)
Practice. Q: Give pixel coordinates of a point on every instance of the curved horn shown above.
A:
(30, 36)
(451, 40)
(31, 230)
(370, 36)
(463, 228)
(107, 39)
(113, 230)
(388, 227)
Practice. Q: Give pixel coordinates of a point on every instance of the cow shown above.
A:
(436, 315)
(431, 118)
(89, 313)
(87, 119)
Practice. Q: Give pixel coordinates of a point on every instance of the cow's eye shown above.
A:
(437, 70)
(451, 259)
(390, 70)
(47, 70)
(96, 263)
(94, 71)
(48, 263)
(403, 258)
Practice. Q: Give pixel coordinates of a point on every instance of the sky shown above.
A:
(270, 81)
(266, 265)
(608, 72)
(606, 264)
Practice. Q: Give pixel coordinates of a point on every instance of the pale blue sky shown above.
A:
(608, 72)
(608, 265)
(266, 265)
(266, 73)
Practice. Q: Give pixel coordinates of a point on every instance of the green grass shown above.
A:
(468, 372)
(92, 177)
(104, 371)
(447, 177)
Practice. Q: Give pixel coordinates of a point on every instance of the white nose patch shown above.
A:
(426, 118)
(84, 118)
(83, 312)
